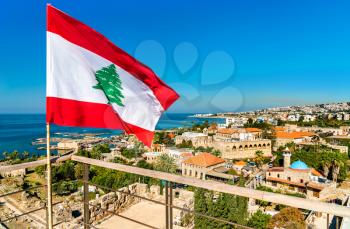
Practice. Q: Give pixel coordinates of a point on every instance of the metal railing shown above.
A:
(168, 207)
(312, 205)
(27, 165)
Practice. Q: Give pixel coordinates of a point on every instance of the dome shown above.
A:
(298, 165)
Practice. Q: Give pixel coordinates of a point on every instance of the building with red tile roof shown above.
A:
(282, 137)
(198, 166)
(204, 160)
(253, 130)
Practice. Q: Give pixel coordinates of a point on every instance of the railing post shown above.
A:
(166, 206)
(48, 179)
(86, 196)
(47, 210)
(336, 222)
(171, 206)
(327, 221)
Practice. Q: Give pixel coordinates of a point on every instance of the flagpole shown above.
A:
(49, 180)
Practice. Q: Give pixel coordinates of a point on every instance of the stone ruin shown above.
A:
(117, 202)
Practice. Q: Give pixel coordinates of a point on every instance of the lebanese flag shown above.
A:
(93, 83)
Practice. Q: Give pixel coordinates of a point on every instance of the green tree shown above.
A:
(14, 155)
(221, 206)
(144, 164)
(289, 218)
(280, 122)
(232, 172)
(216, 153)
(165, 163)
(259, 158)
(6, 155)
(163, 138)
(64, 171)
(158, 136)
(301, 119)
(78, 171)
(324, 156)
(292, 146)
(200, 206)
(25, 154)
(259, 220)
(40, 170)
(96, 152)
(100, 149)
(250, 122)
(120, 160)
(185, 144)
(326, 165)
(65, 187)
(129, 153)
(134, 152)
(111, 178)
(336, 169)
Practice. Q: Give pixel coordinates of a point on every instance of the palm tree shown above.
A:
(25, 154)
(6, 155)
(336, 169)
(165, 163)
(259, 158)
(316, 140)
(291, 146)
(326, 166)
(14, 155)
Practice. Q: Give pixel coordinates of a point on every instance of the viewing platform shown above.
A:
(167, 202)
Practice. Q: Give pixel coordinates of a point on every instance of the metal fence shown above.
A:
(312, 205)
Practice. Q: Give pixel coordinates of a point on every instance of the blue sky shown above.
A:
(219, 55)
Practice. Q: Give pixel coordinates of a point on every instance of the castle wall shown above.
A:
(232, 149)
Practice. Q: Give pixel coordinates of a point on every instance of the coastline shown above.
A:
(26, 132)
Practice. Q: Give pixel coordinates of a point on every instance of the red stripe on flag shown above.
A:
(86, 37)
(67, 112)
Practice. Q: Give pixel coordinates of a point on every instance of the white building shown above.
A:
(293, 117)
(179, 155)
(234, 121)
(151, 157)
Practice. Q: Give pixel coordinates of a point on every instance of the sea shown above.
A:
(20, 131)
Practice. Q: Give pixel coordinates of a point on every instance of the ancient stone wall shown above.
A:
(112, 202)
(116, 202)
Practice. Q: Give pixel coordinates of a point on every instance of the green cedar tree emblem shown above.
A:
(110, 83)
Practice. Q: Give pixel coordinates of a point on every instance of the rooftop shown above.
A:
(192, 134)
(204, 160)
(227, 131)
(309, 184)
(315, 172)
(299, 165)
(276, 169)
(240, 163)
(293, 135)
(186, 154)
(253, 130)
(279, 128)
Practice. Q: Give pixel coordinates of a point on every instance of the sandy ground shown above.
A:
(146, 212)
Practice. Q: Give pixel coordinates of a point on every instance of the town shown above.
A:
(300, 151)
